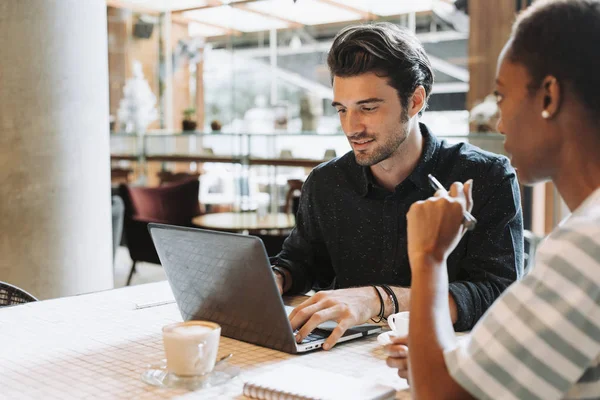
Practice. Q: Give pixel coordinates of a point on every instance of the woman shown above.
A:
(541, 338)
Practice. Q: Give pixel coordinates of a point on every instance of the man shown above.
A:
(541, 339)
(351, 227)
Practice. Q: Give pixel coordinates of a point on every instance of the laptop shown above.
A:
(226, 278)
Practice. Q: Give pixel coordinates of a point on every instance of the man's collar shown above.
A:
(428, 160)
(418, 176)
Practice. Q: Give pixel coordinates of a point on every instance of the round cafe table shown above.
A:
(245, 222)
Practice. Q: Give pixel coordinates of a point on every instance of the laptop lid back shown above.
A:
(224, 278)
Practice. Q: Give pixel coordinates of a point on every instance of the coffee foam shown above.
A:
(191, 330)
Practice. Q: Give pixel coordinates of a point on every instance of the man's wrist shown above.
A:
(279, 277)
(284, 276)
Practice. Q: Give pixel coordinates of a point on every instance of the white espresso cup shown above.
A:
(399, 323)
(191, 347)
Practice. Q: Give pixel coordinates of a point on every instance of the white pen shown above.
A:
(154, 304)
(469, 221)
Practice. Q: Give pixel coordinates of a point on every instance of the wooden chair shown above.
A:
(294, 189)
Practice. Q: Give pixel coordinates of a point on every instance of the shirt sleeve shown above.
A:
(304, 253)
(493, 254)
(539, 338)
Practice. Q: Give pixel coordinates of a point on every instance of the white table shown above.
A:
(98, 345)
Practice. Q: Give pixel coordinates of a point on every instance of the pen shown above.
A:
(155, 304)
(469, 221)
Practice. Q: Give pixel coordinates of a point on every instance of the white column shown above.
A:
(412, 22)
(55, 212)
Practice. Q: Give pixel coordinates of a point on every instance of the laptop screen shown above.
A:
(224, 278)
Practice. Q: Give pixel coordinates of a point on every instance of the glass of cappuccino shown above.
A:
(191, 347)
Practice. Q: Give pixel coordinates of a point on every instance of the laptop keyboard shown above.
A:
(315, 335)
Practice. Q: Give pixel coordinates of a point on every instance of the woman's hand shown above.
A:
(435, 225)
(398, 355)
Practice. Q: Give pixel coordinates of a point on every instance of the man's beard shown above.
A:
(385, 150)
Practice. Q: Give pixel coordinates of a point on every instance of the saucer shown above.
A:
(157, 375)
(384, 338)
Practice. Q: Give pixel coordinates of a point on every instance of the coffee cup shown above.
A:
(398, 323)
(191, 347)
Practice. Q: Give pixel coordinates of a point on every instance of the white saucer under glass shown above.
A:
(158, 375)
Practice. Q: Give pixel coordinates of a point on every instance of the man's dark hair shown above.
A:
(386, 50)
(561, 38)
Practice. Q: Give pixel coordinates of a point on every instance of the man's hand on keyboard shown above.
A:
(347, 307)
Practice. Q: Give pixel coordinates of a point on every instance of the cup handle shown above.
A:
(392, 323)
(200, 356)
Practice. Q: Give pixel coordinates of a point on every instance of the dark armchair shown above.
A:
(166, 177)
(174, 204)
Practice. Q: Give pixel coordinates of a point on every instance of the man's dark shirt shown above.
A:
(351, 232)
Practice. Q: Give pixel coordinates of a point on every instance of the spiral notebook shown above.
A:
(293, 382)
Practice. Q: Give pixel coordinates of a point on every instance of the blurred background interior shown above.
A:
(215, 113)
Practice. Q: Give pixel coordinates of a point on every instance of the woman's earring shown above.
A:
(545, 114)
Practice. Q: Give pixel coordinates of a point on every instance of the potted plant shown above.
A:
(188, 123)
(215, 126)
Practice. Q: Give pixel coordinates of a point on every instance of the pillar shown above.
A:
(55, 212)
(490, 27)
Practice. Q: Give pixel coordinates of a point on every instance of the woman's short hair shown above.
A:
(561, 38)
(386, 50)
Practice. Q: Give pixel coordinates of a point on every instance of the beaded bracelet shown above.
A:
(392, 295)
